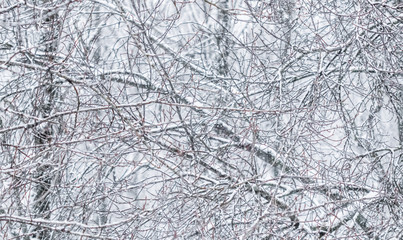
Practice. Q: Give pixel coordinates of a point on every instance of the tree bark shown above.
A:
(45, 104)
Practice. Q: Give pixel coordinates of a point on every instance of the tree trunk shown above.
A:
(44, 105)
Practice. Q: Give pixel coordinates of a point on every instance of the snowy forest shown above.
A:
(201, 119)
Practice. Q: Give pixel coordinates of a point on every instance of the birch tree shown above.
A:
(201, 119)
